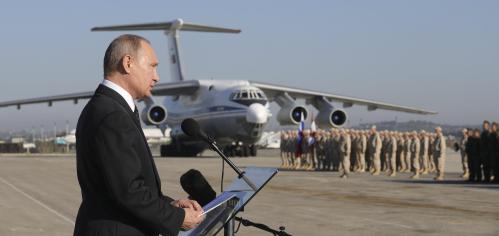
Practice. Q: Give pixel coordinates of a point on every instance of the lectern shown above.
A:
(223, 215)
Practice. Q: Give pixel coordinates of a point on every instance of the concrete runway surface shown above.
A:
(40, 196)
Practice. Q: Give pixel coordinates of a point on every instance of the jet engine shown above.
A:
(291, 114)
(154, 114)
(331, 117)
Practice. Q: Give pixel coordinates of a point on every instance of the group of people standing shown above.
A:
(349, 150)
(480, 153)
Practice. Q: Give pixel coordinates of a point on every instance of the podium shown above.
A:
(223, 215)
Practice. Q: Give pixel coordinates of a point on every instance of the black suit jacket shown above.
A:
(120, 186)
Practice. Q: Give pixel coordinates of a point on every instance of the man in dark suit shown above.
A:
(484, 150)
(120, 186)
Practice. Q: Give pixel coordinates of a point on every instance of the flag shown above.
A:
(313, 127)
(301, 127)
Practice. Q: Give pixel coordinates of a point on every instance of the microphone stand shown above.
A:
(240, 173)
(229, 226)
(263, 227)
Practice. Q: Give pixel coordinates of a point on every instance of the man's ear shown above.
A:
(127, 62)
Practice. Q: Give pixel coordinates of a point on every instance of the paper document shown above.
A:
(224, 197)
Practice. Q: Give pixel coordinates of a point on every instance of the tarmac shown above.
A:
(40, 195)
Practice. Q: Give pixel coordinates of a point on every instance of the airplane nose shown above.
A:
(257, 114)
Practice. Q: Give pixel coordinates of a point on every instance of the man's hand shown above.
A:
(187, 203)
(193, 213)
(192, 219)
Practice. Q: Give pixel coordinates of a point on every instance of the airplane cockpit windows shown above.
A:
(248, 97)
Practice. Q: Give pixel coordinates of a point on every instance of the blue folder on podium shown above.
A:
(231, 201)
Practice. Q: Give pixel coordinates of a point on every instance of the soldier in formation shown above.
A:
(389, 152)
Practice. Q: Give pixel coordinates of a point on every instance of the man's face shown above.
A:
(494, 128)
(144, 73)
(485, 126)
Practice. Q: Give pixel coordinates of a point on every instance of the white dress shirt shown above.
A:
(128, 98)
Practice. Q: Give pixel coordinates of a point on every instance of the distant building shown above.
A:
(17, 140)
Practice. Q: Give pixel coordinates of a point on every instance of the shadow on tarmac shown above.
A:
(463, 183)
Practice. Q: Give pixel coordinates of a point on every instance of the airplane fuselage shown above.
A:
(224, 110)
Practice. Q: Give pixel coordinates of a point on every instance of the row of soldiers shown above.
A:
(480, 153)
(349, 150)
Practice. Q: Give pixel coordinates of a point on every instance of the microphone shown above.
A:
(198, 188)
(191, 128)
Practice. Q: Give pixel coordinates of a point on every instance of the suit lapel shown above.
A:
(117, 97)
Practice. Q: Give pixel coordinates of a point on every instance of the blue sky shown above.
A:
(439, 55)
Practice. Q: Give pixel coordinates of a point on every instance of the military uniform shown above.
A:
(307, 147)
(345, 147)
(328, 154)
(384, 151)
(415, 148)
(359, 150)
(431, 159)
(439, 148)
(392, 154)
(353, 151)
(320, 153)
(424, 153)
(374, 152)
(293, 146)
(401, 153)
(283, 150)
(363, 140)
(464, 156)
(336, 152)
(407, 154)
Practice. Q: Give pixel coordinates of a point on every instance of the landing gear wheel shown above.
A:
(253, 151)
(245, 151)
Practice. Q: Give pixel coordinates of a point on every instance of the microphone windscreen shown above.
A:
(198, 188)
(190, 127)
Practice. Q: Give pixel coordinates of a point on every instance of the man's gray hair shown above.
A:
(127, 44)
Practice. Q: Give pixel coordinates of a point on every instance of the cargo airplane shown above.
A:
(234, 112)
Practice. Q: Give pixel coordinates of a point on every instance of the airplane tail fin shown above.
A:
(172, 31)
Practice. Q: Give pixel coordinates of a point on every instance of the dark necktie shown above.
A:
(136, 114)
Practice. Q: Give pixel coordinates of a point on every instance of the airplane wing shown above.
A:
(185, 87)
(164, 89)
(50, 99)
(166, 26)
(272, 90)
